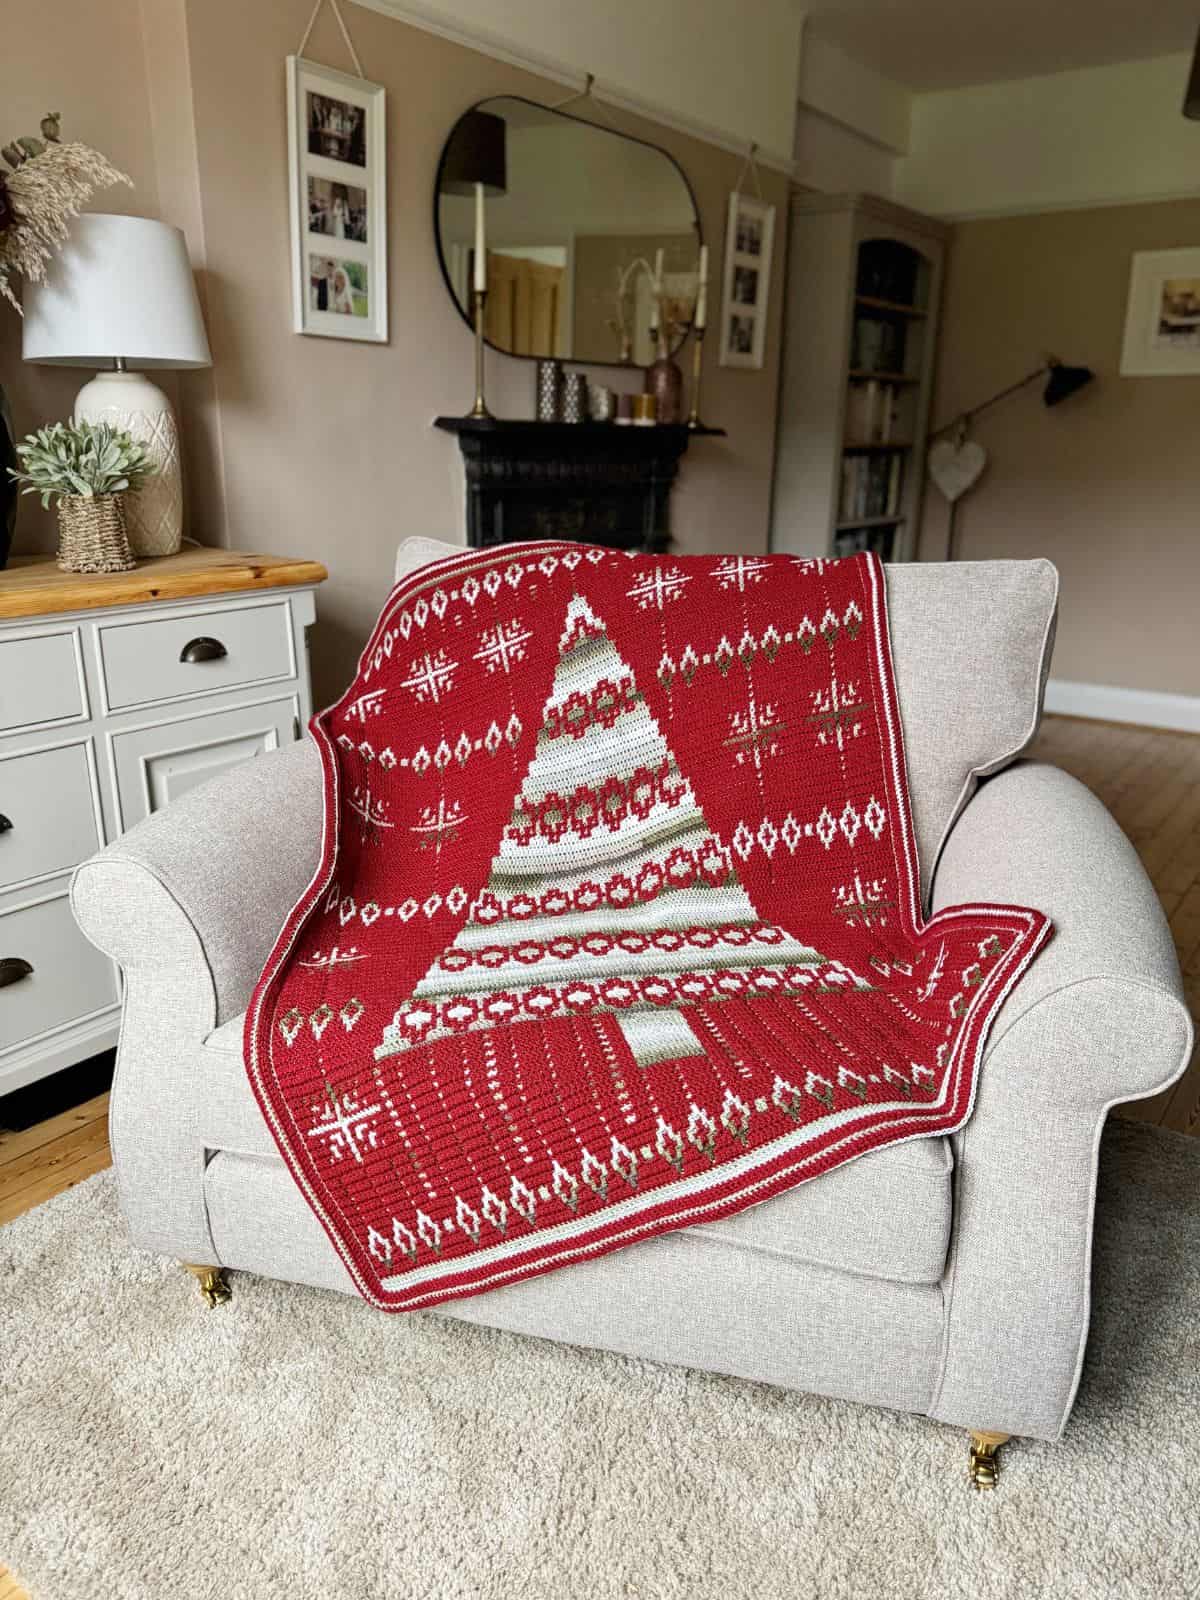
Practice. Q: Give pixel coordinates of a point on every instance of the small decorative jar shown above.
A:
(604, 403)
(645, 411)
(549, 390)
(91, 534)
(624, 410)
(575, 397)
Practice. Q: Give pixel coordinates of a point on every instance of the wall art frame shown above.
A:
(337, 183)
(1162, 315)
(746, 281)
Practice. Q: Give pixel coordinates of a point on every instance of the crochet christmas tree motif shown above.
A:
(617, 924)
(609, 892)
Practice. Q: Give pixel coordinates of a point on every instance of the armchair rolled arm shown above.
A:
(1034, 836)
(211, 878)
(189, 903)
(1099, 1018)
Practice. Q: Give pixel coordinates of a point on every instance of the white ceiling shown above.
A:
(946, 44)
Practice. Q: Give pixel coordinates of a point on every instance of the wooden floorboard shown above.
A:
(10, 1589)
(39, 1162)
(14, 1145)
(31, 1170)
(1150, 781)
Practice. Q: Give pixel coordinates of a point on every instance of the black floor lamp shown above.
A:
(1062, 382)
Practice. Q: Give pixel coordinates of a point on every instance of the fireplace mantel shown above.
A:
(593, 481)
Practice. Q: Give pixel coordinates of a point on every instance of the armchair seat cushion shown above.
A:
(886, 1215)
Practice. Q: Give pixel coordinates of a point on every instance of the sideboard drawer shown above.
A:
(156, 765)
(69, 978)
(41, 680)
(144, 663)
(47, 813)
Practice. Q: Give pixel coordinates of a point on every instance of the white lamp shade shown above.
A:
(119, 287)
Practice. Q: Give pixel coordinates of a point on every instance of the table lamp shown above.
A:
(120, 295)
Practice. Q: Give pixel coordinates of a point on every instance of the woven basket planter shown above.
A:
(91, 534)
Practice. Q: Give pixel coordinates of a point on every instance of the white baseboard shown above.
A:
(1148, 708)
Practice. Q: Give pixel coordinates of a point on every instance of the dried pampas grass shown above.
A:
(44, 193)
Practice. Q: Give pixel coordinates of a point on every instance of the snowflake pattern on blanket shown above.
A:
(616, 928)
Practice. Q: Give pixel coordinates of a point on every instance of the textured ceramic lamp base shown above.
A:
(128, 400)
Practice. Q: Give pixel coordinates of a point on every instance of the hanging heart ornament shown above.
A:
(955, 466)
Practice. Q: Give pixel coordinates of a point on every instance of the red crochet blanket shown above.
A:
(617, 924)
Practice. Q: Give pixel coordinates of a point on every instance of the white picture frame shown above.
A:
(337, 181)
(746, 282)
(1162, 315)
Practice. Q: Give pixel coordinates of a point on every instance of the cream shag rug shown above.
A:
(300, 1444)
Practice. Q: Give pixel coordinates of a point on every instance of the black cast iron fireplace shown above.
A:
(595, 482)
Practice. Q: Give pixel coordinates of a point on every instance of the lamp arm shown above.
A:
(966, 416)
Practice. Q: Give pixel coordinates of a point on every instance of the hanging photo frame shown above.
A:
(337, 170)
(745, 291)
(1162, 315)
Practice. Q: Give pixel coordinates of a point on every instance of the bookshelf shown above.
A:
(860, 330)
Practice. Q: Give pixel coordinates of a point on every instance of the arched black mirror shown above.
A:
(585, 218)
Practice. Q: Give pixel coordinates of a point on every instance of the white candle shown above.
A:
(701, 317)
(480, 244)
(656, 289)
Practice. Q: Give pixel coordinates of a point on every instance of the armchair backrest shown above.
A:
(971, 643)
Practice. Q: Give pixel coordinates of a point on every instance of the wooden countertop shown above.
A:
(32, 586)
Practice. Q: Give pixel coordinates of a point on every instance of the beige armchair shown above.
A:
(941, 1276)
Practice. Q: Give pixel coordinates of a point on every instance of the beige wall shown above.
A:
(1106, 485)
(321, 447)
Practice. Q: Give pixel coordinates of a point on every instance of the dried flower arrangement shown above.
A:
(48, 183)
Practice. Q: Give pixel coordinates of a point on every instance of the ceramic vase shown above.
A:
(130, 401)
(549, 390)
(664, 381)
(8, 489)
(574, 397)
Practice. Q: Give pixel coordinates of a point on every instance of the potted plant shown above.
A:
(87, 468)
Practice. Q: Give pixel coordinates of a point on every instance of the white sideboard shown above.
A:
(119, 692)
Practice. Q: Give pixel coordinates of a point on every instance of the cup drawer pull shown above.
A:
(13, 969)
(203, 649)
(5, 824)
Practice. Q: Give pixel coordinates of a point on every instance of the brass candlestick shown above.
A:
(479, 409)
(693, 420)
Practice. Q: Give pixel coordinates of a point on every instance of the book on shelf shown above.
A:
(871, 486)
(871, 412)
(877, 344)
(850, 541)
(895, 483)
(887, 270)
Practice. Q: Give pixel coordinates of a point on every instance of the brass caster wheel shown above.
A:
(212, 1283)
(984, 1461)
